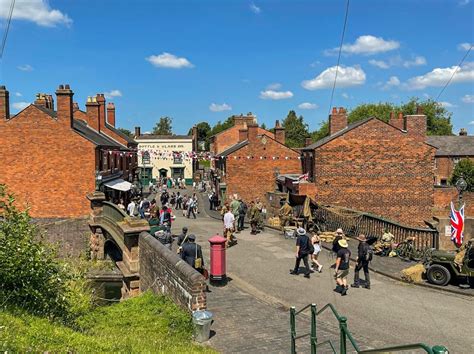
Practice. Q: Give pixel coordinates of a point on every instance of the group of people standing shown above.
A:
(309, 249)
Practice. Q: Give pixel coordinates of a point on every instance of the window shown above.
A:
(177, 159)
(444, 182)
(146, 158)
(456, 160)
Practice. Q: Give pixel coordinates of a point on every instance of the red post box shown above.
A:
(217, 262)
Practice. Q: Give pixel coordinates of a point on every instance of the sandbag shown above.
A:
(413, 274)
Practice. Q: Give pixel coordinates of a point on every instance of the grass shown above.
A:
(147, 323)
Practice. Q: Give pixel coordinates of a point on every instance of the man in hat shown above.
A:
(363, 258)
(302, 252)
(285, 214)
(182, 238)
(191, 252)
(234, 207)
(341, 270)
(242, 212)
(335, 242)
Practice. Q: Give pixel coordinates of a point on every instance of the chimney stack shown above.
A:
(44, 100)
(252, 129)
(137, 132)
(337, 120)
(75, 106)
(463, 132)
(279, 132)
(416, 124)
(111, 114)
(92, 111)
(64, 96)
(397, 120)
(4, 104)
(308, 141)
(101, 101)
(243, 134)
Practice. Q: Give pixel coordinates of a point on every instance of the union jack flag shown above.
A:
(303, 177)
(457, 225)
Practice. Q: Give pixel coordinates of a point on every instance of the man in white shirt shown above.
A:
(131, 207)
(229, 219)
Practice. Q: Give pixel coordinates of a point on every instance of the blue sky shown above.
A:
(205, 60)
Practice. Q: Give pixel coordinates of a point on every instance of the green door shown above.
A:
(145, 175)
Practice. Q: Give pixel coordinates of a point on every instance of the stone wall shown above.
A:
(164, 272)
(72, 235)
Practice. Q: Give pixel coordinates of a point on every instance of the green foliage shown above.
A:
(163, 126)
(126, 132)
(263, 126)
(146, 323)
(203, 130)
(438, 118)
(296, 130)
(219, 127)
(464, 168)
(32, 278)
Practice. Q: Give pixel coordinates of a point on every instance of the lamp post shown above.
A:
(461, 186)
(98, 178)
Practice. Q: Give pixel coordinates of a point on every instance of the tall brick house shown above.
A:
(373, 166)
(248, 168)
(53, 158)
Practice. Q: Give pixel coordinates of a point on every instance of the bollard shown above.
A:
(293, 329)
(313, 329)
(440, 349)
(343, 328)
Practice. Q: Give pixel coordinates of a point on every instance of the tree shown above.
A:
(126, 132)
(464, 168)
(263, 126)
(203, 131)
(163, 127)
(296, 130)
(379, 110)
(219, 127)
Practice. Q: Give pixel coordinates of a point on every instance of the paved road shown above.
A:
(390, 313)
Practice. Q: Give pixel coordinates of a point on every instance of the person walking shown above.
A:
(191, 253)
(179, 201)
(234, 207)
(191, 208)
(229, 222)
(131, 208)
(341, 271)
(335, 242)
(285, 214)
(303, 249)
(316, 241)
(254, 215)
(183, 237)
(242, 213)
(261, 214)
(363, 259)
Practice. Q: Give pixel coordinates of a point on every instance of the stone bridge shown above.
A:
(143, 261)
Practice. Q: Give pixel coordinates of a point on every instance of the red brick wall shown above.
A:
(378, 169)
(443, 197)
(252, 178)
(229, 137)
(444, 168)
(46, 164)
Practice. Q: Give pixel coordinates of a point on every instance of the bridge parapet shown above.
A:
(109, 223)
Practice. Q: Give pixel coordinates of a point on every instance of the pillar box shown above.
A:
(217, 261)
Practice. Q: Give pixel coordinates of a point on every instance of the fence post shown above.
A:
(293, 329)
(342, 329)
(313, 329)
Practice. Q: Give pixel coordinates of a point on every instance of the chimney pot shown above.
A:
(61, 87)
(334, 110)
(4, 103)
(64, 110)
(137, 132)
(308, 141)
(419, 110)
(463, 132)
(67, 87)
(337, 120)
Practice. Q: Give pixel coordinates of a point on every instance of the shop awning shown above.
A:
(119, 184)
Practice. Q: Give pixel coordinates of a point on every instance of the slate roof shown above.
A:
(337, 134)
(234, 148)
(98, 139)
(118, 132)
(452, 145)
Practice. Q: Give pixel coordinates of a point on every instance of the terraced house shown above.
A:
(53, 156)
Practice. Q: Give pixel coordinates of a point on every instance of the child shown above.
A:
(317, 249)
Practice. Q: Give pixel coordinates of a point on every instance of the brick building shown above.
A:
(450, 150)
(248, 168)
(53, 158)
(229, 137)
(372, 166)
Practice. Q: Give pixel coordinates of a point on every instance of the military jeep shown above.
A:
(441, 268)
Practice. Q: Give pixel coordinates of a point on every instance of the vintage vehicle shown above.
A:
(441, 268)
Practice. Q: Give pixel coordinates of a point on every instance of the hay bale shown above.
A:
(275, 221)
(413, 274)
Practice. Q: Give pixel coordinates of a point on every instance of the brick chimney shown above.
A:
(44, 100)
(101, 101)
(92, 112)
(397, 120)
(337, 120)
(75, 106)
(4, 104)
(415, 124)
(279, 132)
(252, 129)
(243, 134)
(111, 114)
(308, 141)
(64, 111)
(463, 132)
(137, 132)
(242, 120)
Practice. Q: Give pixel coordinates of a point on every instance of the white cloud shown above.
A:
(111, 94)
(20, 105)
(468, 99)
(393, 81)
(307, 105)
(464, 46)
(315, 64)
(18, 94)
(379, 63)
(439, 76)
(446, 104)
(167, 60)
(346, 76)
(26, 67)
(463, 2)
(255, 9)
(417, 61)
(37, 11)
(366, 45)
(345, 95)
(215, 107)
(275, 86)
(275, 95)
(471, 122)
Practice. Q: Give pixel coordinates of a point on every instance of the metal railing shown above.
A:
(354, 223)
(345, 334)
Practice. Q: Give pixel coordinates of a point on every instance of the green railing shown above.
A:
(345, 334)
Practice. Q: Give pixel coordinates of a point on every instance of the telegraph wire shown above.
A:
(339, 55)
(5, 35)
(454, 73)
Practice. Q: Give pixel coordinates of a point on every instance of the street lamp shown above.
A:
(98, 178)
(461, 186)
